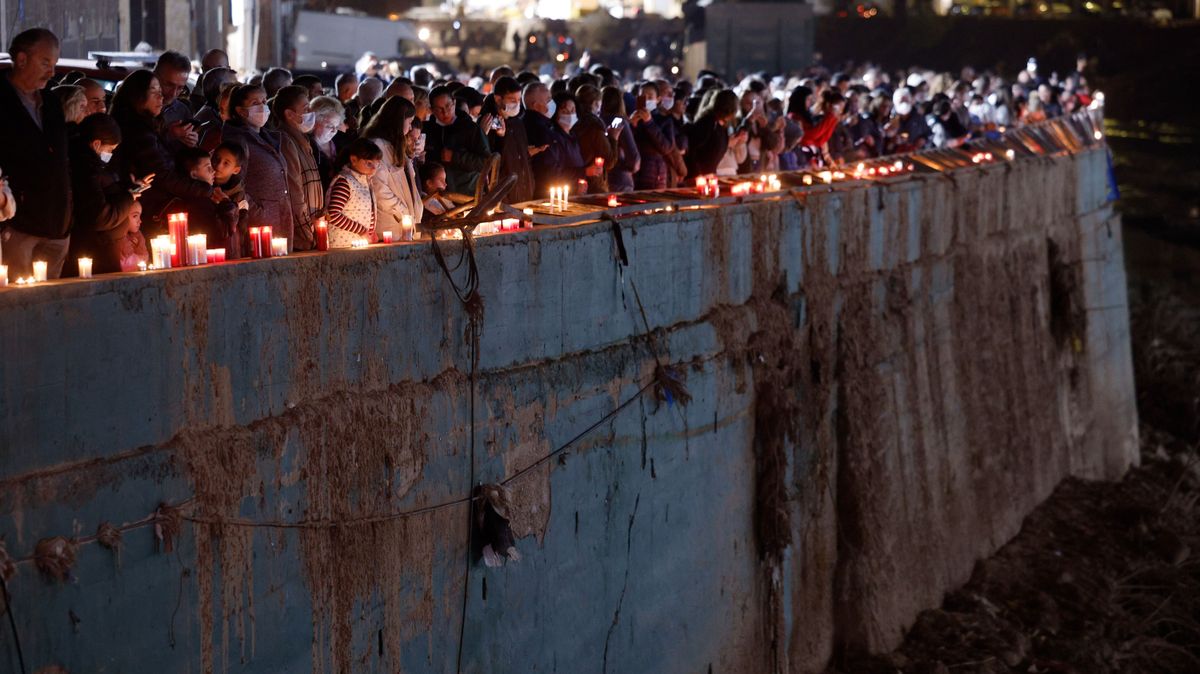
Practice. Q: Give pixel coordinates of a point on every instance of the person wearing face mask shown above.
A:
(328, 139)
(545, 137)
(296, 120)
(102, 198)
(143, 151)
(455, 142)
(397, 193)
(709, 135)
(911, 131)
(264, 171)
(561, 163)
(500, 119)
(655, 140)
(597, 140)
(671, 103)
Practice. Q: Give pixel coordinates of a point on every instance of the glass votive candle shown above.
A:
(388, 236)
(3, 275)
(256, 250)
(215, 255)
(279, 246)
(85, 267)
(408, 230)
(39, 270)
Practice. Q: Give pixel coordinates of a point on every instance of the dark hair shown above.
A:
(558, 87)
(562, 98)
(172, 60)
(525, 78)
(240, 94)
(612, 102)
(388, 124)
(275, 79)
(582, 79)
(211, 81)
(505, 86)
(235, 149)
(307, 81)
(428, 170)
(101, 127)
(468, 96)
(345, 78)
(438, 92)
(130, 95)
(797, 104)
(364, 149)
(501, 71)
(189, 157)
(284, 99)
(586, 97)
(722, 104)
(28, 39)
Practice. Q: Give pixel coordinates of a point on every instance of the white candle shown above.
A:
(407, 229)
(566, 196)
(39, 270)
(162, 248)
(359, 243)
(197, 249)
(279, 246)
(3, 275)
(85, 267)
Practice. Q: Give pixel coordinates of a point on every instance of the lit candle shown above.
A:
(702, 185)
(39, 270)
(264, 245)
(807, 179)
(215, 255)
(612, 201)
(141, 265)
(408, 230)
(359, 243)
(161, 249)
(1010, 154)
(566, 196)
(256, 250)
(387, 236)
(826, 176)
(85, 267)
(322, 234)
(177, 226)
(279, 246)
(527, 214)
(3, 275)
(197, 250)
(599, 162)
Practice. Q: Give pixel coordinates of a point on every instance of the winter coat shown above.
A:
(656, 142)
(468, 147)
(513, 148)
(101, 212)
(396, 191)
(594, 141)
(620, 174)
(561, 162)
(34, 159)
(264, 174)
(141, 153)
(707, 143)
(304, 186)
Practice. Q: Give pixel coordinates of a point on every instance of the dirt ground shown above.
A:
(1103, 577)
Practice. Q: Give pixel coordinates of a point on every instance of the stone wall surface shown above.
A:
(885, 379)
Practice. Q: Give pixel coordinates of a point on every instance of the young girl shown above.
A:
(131, 248)
(351, 203)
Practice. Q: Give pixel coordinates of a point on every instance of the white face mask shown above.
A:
(327, 135)
(307, 122)
(105, 156)
(596, 109)
(668, 103)
(257, 115)
(550, 109)
(512, 110)
(903, 108)
(651, 106)
(567, 121)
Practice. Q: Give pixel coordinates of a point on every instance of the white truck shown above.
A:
(336, 41)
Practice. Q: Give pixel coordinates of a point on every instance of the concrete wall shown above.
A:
(884, 381)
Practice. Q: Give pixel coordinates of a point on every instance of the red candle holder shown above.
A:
(256, 242)
(322, 234)
(177, 226)
(264, 241)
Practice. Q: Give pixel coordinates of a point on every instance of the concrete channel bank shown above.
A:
(884, 381)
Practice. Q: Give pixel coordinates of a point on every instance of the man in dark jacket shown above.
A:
(597, 140)
(455, 142)
(33, 154)
(172, 70)
(507, 135)
(655, 147)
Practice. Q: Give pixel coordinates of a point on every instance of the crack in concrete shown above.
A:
(624, 585)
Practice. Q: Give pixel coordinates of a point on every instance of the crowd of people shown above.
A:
(86, 174)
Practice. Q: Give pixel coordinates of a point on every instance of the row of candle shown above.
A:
(560, 198)
(39, 274)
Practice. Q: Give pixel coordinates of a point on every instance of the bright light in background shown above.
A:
(674, 70)
(642, 54)
(423, 33)
(554, 9)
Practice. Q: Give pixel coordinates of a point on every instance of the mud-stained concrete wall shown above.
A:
(885, 379)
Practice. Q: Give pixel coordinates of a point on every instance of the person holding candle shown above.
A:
(143, 154)
(655, 141)
(33, 154)
(102, 199)
(709, 135)
(562, 162)
(351, 211)
(264, 171)
(296, 120)
(597, 140)
(397, 193)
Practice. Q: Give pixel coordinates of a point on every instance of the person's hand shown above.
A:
(639, 116)
(533, 151)
(217, 195)
(739, 138)
(184, 133)
(485, 123)
(614, 131)
(447, 155)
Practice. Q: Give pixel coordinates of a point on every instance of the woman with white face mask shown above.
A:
(561, 163)
(327, 136)
(264, 172)
(101, 198)
(296, 121)
(597, 140)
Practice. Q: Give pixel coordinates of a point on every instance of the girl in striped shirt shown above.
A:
(351, 203)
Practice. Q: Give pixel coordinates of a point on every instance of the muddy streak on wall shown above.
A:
(884, 382)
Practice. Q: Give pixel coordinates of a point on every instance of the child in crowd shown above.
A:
(433, 184)
(351, 203)
(131, 248)
(216, 216)
(227, 162)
